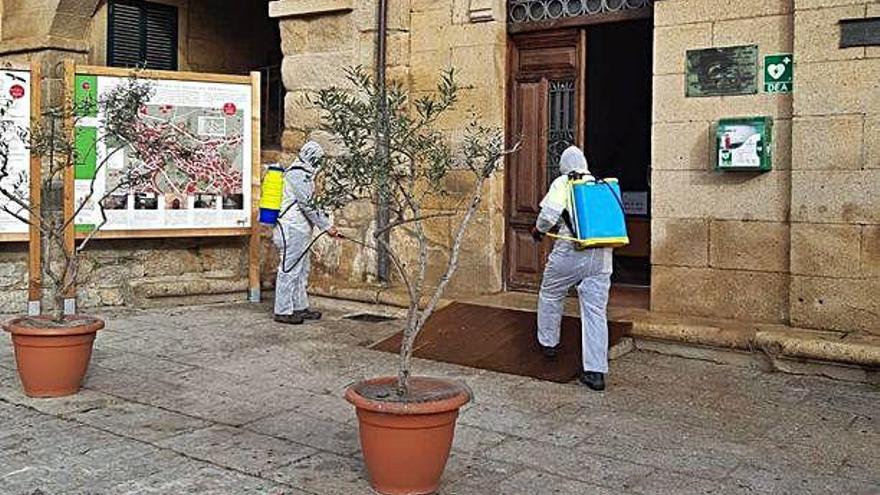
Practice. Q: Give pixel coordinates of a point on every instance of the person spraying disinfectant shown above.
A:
(294, 219)
(570, 264)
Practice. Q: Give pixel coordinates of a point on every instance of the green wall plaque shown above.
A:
(722, 71)
(744, 144)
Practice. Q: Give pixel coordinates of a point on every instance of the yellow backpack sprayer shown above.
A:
(271, 200)
(271, 195)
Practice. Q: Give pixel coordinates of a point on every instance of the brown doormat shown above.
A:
(498, 339)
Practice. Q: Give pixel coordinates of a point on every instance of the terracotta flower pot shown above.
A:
(406, 442)
(52, 359)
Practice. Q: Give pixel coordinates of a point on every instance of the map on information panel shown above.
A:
(15, 116)
(192, 157)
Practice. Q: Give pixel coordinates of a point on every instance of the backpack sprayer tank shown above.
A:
(272, 193)
(598, 213)
(594, 213)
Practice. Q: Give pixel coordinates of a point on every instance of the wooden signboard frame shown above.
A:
(34, 93)
(252, 232)
(32, 237)
(35, 239)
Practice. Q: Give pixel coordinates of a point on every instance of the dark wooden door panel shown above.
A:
(558, 59)
(540, 65)
(527, 257)
(530, 112)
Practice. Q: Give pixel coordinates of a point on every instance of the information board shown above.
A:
(15, 113)
(200, 178)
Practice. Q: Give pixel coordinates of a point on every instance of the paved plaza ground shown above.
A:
(221, 400)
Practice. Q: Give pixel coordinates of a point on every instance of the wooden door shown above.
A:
(546, 115)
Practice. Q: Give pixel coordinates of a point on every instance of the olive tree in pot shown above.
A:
(393, 154)
(53, 349)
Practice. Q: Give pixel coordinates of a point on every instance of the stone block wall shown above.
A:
(321, 38)
(835, 194)
(23, 20)
(720, 241)
(797, 245)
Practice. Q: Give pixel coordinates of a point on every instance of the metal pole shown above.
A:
(382, 215)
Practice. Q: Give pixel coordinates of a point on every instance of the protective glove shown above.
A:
(537, 235)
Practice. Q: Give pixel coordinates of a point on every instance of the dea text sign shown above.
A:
(778, 73)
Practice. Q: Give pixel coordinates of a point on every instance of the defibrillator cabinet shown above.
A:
(744, 144)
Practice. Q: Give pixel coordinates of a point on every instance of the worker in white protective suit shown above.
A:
(568, 266)
(293, 234)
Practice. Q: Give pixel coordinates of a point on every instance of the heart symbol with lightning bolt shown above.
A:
(776, 70)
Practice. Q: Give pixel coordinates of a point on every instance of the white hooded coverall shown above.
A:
(590, 270)
(293, 232)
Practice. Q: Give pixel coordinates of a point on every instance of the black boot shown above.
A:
(548, 351)
(593, 380)
(293, 319)
(309, 314)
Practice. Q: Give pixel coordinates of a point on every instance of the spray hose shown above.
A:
(308, 249)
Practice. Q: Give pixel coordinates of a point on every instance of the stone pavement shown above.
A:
(221, 400)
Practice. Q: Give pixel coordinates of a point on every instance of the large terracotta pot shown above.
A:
(52, 359)
(406, 442)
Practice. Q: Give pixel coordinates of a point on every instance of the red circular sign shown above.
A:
(16, 91)
(86, 86)
(229, 109)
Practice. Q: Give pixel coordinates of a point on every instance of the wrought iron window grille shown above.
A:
(520, 11)
(562, 123)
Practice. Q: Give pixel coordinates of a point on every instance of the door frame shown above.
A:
(536, 40)
(548, 33)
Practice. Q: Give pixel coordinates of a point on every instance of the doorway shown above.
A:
(589, 86)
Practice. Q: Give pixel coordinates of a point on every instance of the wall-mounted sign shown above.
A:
(722, 71)
(15, 115)
(860, 32)
(744, 144)
(205, 188)
(779, 73)
(635, 202)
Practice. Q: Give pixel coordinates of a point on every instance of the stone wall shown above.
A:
(796, 245)
(835, 230)
(720, 241)
(321, 38)
(33, 26)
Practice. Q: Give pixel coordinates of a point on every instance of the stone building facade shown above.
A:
(797, 245)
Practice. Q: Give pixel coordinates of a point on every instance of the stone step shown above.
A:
(187, 289)
(847, 347)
